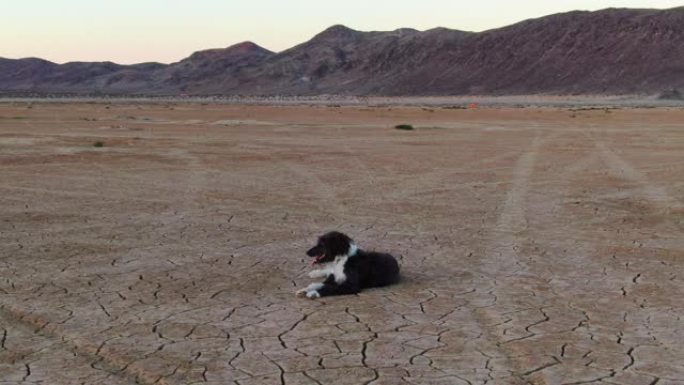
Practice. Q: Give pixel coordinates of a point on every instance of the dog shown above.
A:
(346, 268)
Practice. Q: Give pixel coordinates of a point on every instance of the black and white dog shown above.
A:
(346, 268)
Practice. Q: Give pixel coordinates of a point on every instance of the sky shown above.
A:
(135, 31)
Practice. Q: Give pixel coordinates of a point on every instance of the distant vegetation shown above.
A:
(672, 94)
(406, 127)
(98, 144)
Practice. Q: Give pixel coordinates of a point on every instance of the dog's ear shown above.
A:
(337, 243)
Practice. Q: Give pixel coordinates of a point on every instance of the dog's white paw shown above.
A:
(301, 293)
(313, 294)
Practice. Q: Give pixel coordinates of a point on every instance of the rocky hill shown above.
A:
(613, 51)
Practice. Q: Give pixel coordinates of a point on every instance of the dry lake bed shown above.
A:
(163, 244)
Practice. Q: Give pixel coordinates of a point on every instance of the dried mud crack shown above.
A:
(536, 247)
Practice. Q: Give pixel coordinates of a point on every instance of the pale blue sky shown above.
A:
(131, 31)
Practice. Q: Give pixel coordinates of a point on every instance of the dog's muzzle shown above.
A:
(318, 259)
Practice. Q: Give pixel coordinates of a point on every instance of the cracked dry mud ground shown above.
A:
(538, 246)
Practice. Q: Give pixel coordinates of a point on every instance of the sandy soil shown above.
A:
(538, 246)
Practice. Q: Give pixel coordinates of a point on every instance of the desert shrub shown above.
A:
(98, 144)
(406, 127)
(671, 94)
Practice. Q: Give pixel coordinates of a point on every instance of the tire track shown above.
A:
(501, 262)
(647, 189)
(512, 220)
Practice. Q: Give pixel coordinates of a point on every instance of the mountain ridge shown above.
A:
(611, 51)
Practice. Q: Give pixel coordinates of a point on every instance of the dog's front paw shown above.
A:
(301, 293)
(317, 274)
(313, 294)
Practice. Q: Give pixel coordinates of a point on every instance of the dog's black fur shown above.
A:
(349, 269)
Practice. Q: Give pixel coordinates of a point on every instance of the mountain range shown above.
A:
(612, 51)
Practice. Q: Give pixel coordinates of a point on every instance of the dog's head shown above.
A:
(331, 245)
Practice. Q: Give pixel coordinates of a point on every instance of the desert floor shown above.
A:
(538, 245)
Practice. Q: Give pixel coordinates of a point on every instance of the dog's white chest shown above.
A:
(338, 269)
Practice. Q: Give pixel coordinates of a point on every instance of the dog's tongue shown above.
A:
(315, 261)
